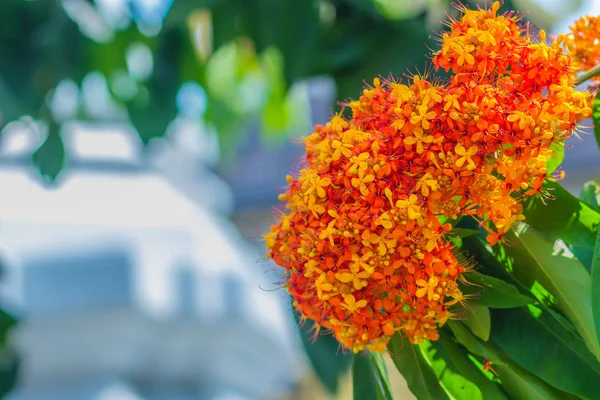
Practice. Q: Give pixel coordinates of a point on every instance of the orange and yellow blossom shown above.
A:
(361, 238)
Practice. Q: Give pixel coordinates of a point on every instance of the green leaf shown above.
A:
(7, 322)
(531, 260)
(596, 118)
(364, 382)
(457, 360)
(49, 158)
(369, 377)
(563, 217)
(381, 375)
(463, 232)
(540, 344)
(595, 290)
(590, 193)
(492, 292)
(409, 360)
(464, 336)
(269, 25)
(557, 157)
(324, 354)
(478, 321)
(516, 381)
(454, 383)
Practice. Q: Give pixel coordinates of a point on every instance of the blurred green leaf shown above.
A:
(49, 158)
(596, 117)
(269, 25)
(275, 114)
(477, 319)
(9, 370)
(492, 292)
(419, 376)
(7, 322)
(325, 355)
(563, 217)
(181, 9)
(541, 345)
(364, 46)
(397, 10)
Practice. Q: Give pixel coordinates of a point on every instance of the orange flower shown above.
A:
(361, 240)
(584, 43)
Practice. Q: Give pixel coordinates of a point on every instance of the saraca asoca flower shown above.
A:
(583, 42)
(362, 237)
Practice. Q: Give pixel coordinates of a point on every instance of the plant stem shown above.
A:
(589, 74)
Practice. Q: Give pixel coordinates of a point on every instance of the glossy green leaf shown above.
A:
(452, 380)
(540, 344)
(419, 376)
(325, 355)
(557, 158)
(463, 232)
(516, 381)
(477, 319)
(590, 193)
(492, 292)
(596, 118)
(595, 287)
(457, 360)
(364, 382)
(530, 259)
(564, 217)
(381, 376)
(464, 336)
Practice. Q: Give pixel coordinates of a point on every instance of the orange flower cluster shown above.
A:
(583, 43)
(362, 238)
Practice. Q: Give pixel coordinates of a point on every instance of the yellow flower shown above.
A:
(410, 205)
(466, 156)
(428, 288)
(351, 305)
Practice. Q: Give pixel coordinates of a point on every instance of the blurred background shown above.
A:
(142, 147)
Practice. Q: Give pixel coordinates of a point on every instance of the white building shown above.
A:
(131, 287)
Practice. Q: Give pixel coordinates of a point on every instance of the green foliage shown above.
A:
(539, 343)
(50, 156)
(351, 41)
(557, 157)
(419, 376)
(370, 377)
(493, 292)
(9, 359)
(477, 319)
(516, 381)
(595, 286)
(596, 117)
(325, 355)
(563, 217)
